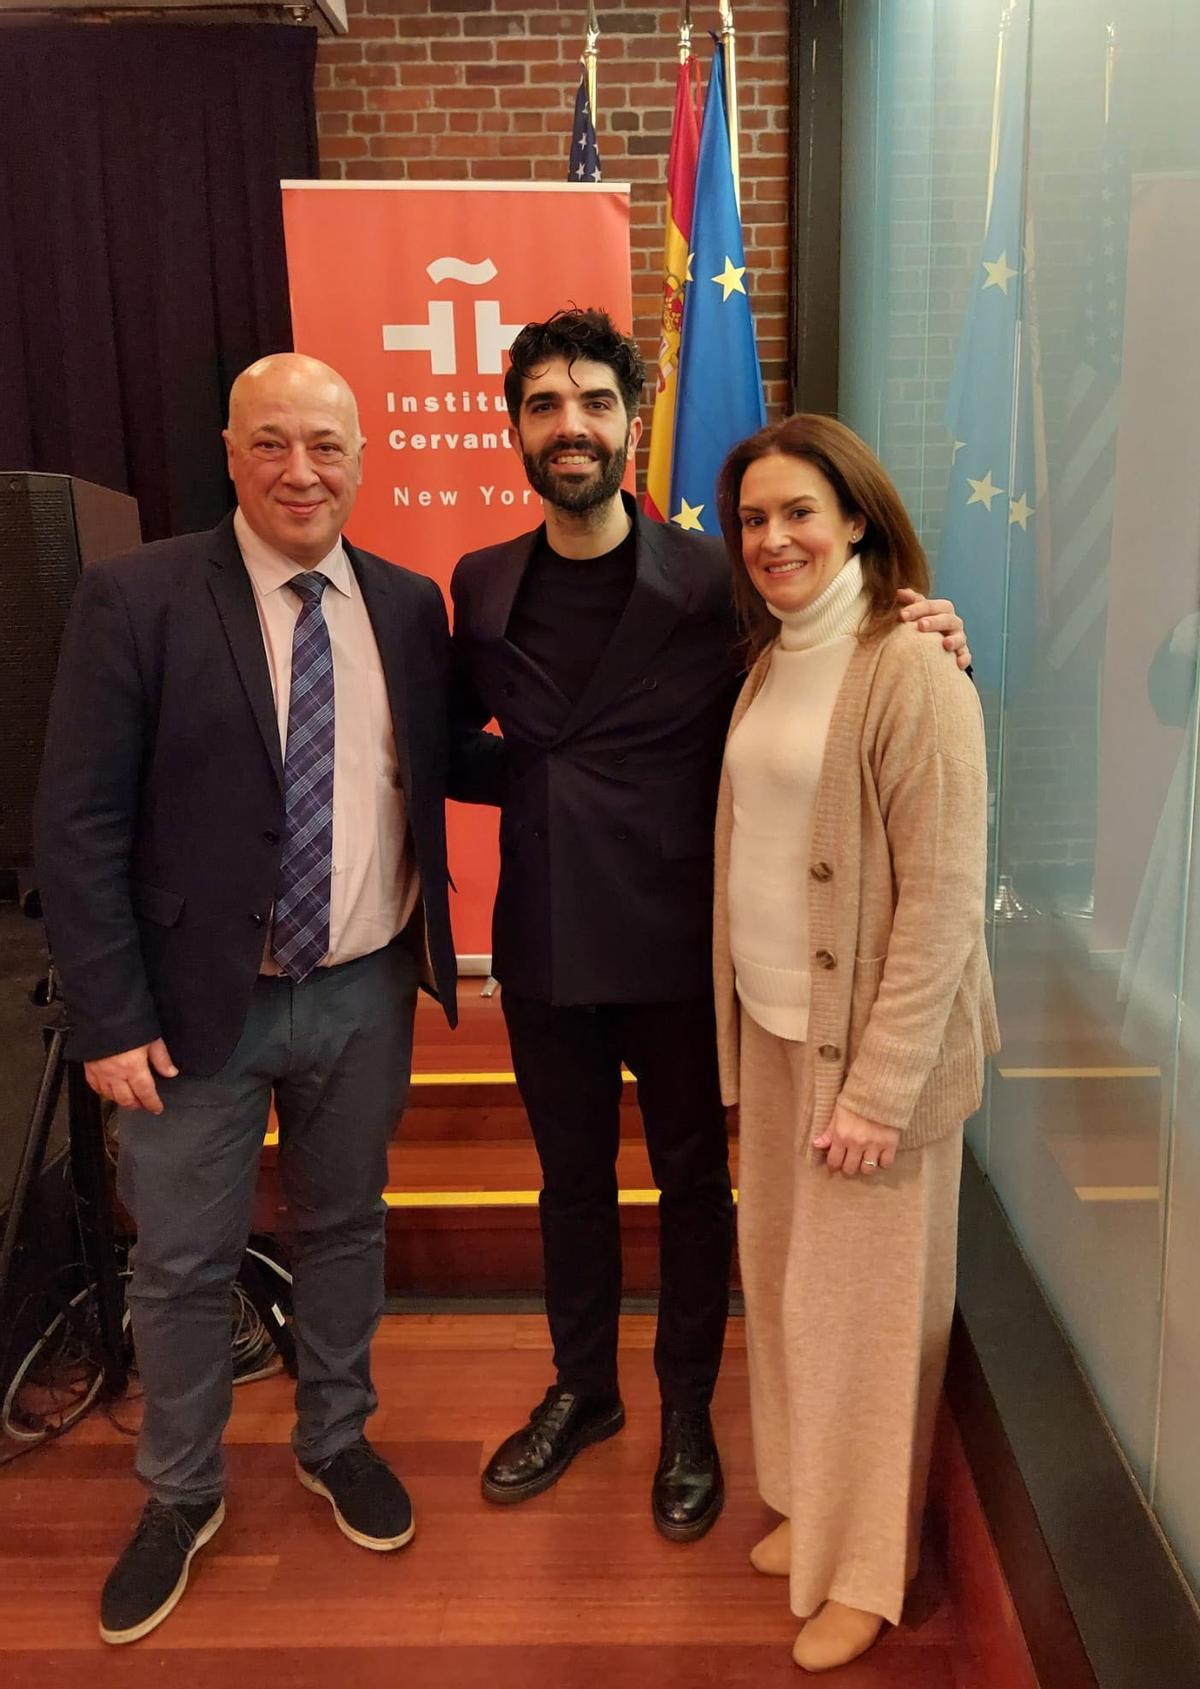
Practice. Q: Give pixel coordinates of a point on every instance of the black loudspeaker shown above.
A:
(50, 526)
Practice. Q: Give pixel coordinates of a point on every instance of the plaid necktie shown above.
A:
(301, 933)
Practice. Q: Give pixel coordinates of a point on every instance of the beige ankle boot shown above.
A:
(773, 1555)
(834, 1636)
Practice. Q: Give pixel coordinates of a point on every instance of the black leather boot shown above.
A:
(689, 1491)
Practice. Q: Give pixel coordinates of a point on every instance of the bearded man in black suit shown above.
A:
(604, 644)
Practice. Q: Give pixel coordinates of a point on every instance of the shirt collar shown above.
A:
(270, 569)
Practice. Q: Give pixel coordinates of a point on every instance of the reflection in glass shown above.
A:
(1085, 617)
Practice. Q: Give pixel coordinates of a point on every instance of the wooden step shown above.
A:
(482, 1112)
(463, 1085)
(463, 1173)
(463, 1217)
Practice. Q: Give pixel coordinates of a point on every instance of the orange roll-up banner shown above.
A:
(413, 291)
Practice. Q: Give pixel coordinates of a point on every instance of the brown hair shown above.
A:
(890, 552)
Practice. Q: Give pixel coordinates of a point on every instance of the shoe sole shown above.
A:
(117, 1638)
(697, 1527)
(379, 1545)
(504, 1496)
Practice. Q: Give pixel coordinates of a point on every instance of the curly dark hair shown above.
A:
(574, 334)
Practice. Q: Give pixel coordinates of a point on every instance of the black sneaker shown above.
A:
(536, 1456)
(149, 1578)
(369, 1502)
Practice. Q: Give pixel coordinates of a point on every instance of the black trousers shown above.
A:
(568, 1067)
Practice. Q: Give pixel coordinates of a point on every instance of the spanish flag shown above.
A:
(681, 190)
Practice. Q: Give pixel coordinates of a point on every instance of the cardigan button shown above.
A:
(821, 871)
(826, 959)
(830, 1052)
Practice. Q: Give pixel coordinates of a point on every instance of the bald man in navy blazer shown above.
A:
(241, 854)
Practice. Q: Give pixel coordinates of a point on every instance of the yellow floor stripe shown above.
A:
(477, 1078)
(494, 1199)
(464, 1078)
(473, 1078)
(1117, 1193)
(500, 1199)
(1080, 1072)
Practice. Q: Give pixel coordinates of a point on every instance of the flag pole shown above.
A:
(997, 93)
(589, 59)
(681, 183)
(688, 59)
(1110, 66)
(728, 44)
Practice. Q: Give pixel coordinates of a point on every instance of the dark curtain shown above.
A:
(141, 246)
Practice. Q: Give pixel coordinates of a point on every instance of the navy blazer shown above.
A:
(160, 809)
(606, 827)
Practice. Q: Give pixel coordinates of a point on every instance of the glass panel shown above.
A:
(1176, 1478)
(1078, 1116)
(1083, 605)
(1159, 545)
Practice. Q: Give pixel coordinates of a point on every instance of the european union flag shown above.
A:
(988, 559)
(583, 164)
(720, 385)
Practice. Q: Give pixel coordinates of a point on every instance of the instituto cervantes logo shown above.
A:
(437, 336)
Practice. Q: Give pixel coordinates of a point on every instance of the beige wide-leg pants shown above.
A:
(849, 1287)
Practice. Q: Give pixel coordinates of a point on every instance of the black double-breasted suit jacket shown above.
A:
(160, 811)
(606, 831)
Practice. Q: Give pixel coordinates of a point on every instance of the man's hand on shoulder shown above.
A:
(937, 615)
(127, 1079)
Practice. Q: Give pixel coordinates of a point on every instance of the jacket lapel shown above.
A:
(390, 627)
(504, 577)
(661, 590)
(229, 583)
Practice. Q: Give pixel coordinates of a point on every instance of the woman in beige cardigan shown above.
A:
(854, 1009)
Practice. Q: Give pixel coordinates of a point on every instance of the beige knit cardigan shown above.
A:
(902, 1014)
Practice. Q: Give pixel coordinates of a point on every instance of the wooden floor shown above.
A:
(574, 1590)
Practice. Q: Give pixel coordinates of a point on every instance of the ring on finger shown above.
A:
(869, 1166)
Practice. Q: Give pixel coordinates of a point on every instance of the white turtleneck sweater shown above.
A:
(774, 762)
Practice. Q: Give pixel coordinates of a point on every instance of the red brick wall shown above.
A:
(484, 90)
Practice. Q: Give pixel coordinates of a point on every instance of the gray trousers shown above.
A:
(336, 1052)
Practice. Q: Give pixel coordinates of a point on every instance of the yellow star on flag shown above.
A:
(688, 517)
(983, 492)
(999, 273)
(1020, 511)
(958, 446)
(689, 276)
(731, 279)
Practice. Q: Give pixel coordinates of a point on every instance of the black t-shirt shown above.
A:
(568, 608)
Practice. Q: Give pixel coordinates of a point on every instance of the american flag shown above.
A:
(1084, 493)
(583, 164)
